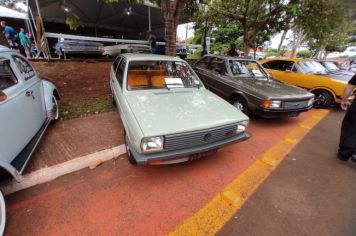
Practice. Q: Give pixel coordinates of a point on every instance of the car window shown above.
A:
(120, 72)
(24, 67)
(247, 68)
(279, 65)
(217, 65)
(204, 62)
(7, 77)
(312, 67)
(160, 74)
(116, 63)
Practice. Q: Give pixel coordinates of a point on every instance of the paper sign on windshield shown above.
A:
(257, 73)
(174, 82)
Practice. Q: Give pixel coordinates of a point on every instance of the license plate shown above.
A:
(202, 154)
(294, 114)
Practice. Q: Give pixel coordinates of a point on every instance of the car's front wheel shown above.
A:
(322, 99)
(241, 104)
(55, 109)
(130, 157)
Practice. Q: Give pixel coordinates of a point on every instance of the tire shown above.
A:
(241, 104)
(55, 110)
(130, 157)
(113, 100)
(323, 99)
(2, 214)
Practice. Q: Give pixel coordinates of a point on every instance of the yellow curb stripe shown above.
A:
(212, 217)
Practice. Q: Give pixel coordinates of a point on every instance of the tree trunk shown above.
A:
(3, 40)
(246, 48)
(172, 11)
(282, 39)
(298, 37)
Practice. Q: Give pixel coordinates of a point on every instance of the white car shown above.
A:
(27, 106)
(115, 50)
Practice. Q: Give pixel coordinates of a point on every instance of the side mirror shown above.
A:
(2, 96)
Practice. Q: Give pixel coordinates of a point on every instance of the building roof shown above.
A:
(99, 15)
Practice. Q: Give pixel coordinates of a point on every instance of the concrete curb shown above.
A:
(50, 173)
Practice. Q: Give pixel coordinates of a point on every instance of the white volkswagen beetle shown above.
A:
(27, 106)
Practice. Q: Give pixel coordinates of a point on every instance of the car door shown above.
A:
(117, 82)
(22, 112)
(282, 70)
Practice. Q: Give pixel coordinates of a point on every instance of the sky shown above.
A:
(181, 34)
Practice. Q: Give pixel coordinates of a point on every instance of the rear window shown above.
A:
(160, 74)
(7, 77)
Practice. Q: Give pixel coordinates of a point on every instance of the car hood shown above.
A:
(271, 89)
(177, 111)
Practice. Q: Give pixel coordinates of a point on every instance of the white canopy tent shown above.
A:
(9, 13)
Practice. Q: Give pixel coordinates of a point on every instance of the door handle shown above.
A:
(29, 93)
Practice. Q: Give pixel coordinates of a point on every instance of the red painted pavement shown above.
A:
(117, 198)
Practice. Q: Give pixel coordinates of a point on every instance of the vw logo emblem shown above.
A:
(207, 137)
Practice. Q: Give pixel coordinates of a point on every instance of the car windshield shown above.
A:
(312, 67)
(160, 74)
(247, 68)
(329, 65)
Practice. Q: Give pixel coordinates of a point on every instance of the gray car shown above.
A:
(246, 85)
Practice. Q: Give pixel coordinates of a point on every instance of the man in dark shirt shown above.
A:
(347, 146)
(153, 42)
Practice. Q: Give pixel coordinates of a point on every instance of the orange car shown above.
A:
(310, 75)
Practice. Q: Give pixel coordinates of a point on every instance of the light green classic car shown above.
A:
(168, 115)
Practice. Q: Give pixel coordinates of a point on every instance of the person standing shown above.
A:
(25, 42)
(153, 42)
(347, 146)
(10, 34)
(231, 51)
(12, 38)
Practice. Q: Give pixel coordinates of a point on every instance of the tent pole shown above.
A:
(149, 19)
(42, 28)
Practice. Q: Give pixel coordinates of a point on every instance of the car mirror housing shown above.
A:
(2, 96)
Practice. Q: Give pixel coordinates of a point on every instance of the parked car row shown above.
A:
(83, 47)
(169, 114)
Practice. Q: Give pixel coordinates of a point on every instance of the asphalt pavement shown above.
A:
(310, 193)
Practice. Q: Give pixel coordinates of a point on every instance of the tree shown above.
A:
(323, 24)
(260, 39)
(254, 16)
(225, 35)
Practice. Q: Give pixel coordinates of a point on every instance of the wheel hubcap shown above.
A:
(239, 106)
(55, 112)
(320, 99)
(127, 147)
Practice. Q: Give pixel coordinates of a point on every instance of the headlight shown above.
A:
(241, 127)
(271, 104)
(152, 144)
(310, 102)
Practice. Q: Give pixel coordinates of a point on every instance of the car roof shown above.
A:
(149, 57)
(286, 59)
(4, 49)
(227, 57)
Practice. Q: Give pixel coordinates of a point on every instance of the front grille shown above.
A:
(295, 104)
(198, 138)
